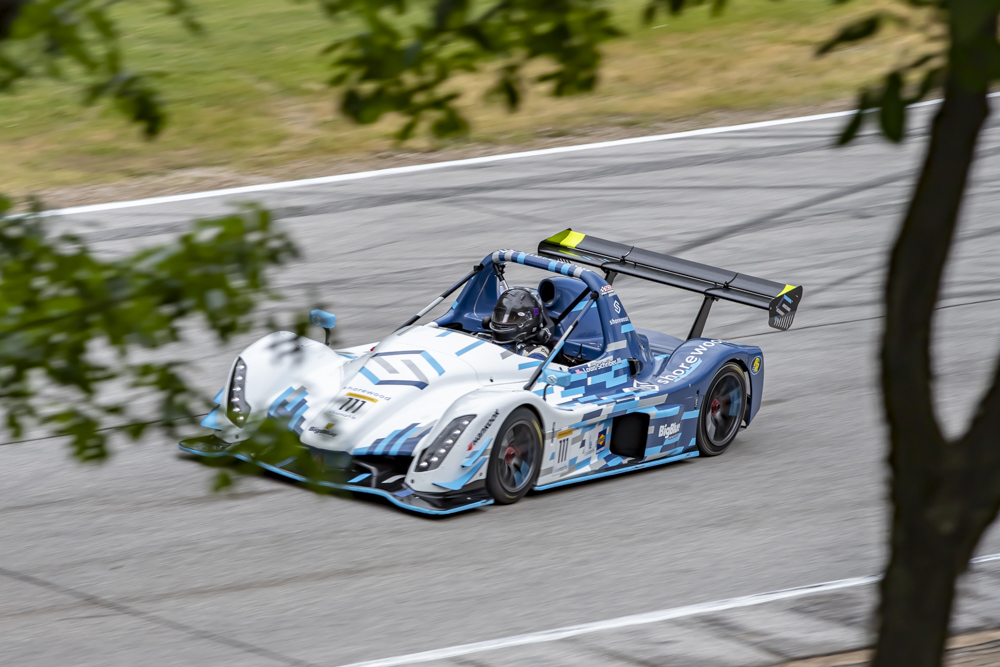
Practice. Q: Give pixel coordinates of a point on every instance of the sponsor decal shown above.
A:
(642, 386)
(562, 451)
(755, 365)
(485, 428)
(362, 397)
(618, 307)
(369, 392)
(326, 430)
(691, 362)
(596, 365)
(602, 439)
(607, 290)
(669, 430)
(619, 320)
(349, 406)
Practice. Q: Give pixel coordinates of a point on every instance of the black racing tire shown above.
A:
(516, 457)
(722, 410)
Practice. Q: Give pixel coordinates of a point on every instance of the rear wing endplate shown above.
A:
(780, 300)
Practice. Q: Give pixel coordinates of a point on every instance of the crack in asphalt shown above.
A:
(523, 183)
(344, 573)
(725, 629)
(860, 319)
(778, 218)
(154, 619)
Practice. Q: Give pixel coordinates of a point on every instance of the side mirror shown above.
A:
(323, 319)
(558, 378)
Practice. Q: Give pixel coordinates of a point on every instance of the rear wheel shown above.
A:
(722, 410)
(516, 457)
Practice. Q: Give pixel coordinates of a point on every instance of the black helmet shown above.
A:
(517, 316)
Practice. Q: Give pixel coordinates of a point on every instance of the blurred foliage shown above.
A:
(911, 82)
(71, 322)
(41, 37)
(404, 53)
(273, 444)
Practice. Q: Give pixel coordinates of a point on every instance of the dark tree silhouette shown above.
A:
(945, 493)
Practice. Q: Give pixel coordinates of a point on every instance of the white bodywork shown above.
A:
(353, 404)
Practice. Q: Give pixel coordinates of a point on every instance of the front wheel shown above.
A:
(722, 410)
(516, 457)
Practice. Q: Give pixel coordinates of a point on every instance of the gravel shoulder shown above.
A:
(979, 649)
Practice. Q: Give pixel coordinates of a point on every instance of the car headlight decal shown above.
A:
(432, 457)
(237, 407)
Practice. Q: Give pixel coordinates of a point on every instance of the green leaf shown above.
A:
(222, 480)
(893, 111)
(449, 124)
(136, 429)
(859, 30)
(57, 301)
(48, 32)
(857, 120)
(852, 128)
(933, 78)
(407, 130)
(404, 64)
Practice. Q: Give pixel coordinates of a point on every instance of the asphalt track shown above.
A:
(136, 562)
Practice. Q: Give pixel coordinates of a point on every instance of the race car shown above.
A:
(439, 418)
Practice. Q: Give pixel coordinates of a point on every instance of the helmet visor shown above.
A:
(515, 313)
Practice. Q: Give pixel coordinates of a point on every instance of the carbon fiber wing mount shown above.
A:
(779, 299)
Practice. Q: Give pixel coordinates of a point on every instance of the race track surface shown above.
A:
(137, 562)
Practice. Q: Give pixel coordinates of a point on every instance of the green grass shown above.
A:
(249, 97)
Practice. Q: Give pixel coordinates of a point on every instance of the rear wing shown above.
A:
(780, 300)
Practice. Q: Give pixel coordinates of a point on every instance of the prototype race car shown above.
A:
(438, 419)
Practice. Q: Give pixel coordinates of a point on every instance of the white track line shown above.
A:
(340, 178)
(629, 621)
(486, 159)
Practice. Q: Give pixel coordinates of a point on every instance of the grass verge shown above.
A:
(248, 100)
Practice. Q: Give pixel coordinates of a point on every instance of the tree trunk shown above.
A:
(944, 493)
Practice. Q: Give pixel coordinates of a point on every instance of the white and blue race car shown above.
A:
(438, 419)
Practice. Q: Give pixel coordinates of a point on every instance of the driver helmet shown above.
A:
(517, 316)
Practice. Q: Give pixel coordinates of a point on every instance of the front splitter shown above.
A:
(405, 498)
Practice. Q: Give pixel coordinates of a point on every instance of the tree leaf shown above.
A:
(893, 110)
(449, 124)
(861, 29)
(223, 480)
(857, 120)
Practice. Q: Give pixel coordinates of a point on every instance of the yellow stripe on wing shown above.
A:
(566, 238)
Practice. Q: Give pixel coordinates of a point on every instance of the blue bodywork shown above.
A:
(671, 375)
(619, 369)
(606, 333)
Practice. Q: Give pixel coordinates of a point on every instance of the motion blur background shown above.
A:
(249, 101)
(137, 560)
